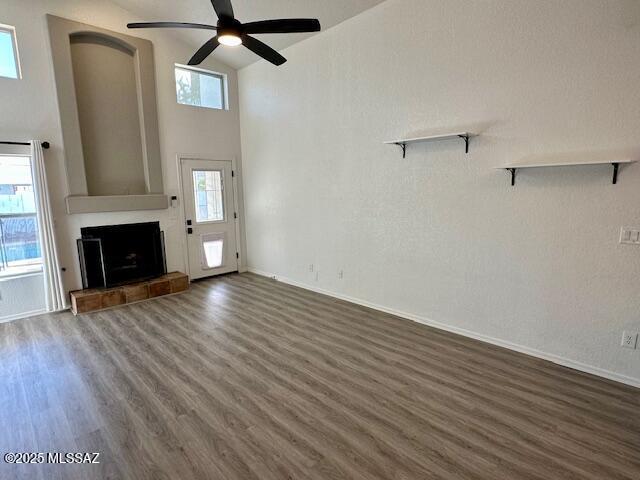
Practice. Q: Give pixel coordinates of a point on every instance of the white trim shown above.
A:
(565, 362)
(14, 276)
(183, 217)
(20, 316)
(33, 313)
(11, 30)
(224, 93)
(15, 150)
(236, 210)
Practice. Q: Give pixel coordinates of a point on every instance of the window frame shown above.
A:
(222, 199)
(224, 95)
(11, 30)
(22, 151)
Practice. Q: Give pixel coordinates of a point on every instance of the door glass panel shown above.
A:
(213, 250)
(207, 191)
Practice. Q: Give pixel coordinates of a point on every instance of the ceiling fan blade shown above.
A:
(204, 51)
(223, 8)
(263, 50)
(171, 25)
(284, 25)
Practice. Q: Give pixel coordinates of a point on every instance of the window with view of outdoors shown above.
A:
(207, 185)
(200, 88)
(8, 53)
(19, 244)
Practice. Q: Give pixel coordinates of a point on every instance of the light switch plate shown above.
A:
(629, 339)
(629, 236)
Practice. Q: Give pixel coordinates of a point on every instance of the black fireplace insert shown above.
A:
(113, 255)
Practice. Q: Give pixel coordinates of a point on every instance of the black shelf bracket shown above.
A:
(403, 146)
(466, 142)
(466, 139)
(615, 165)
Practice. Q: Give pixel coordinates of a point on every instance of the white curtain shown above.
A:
(54, 290)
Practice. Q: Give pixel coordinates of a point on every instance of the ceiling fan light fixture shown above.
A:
(230, 40)
(231, 32)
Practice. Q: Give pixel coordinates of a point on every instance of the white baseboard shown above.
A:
(20, 316)
(566, 362)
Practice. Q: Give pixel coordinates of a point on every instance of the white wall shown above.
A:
(21, 296)
(29, 110)
(441, 236)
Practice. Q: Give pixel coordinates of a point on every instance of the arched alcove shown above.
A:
(105, 80)
(106, 89)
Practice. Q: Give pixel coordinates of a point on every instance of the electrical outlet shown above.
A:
(629, 236)
(629, 339)
(340, 274)
(311, 267)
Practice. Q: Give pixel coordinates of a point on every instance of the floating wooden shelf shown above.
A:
(93, 299)
(614, 163)
(446, 136)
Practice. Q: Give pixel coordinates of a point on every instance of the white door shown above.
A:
(209, 208)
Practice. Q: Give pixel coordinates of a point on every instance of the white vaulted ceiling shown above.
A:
(329, 12)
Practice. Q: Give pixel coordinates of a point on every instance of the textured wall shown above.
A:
(29, 110)
(20, 295)
(441, 235)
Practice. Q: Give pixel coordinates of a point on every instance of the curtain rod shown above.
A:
(44, 144)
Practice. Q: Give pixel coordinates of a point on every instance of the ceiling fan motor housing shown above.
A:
(229, 26)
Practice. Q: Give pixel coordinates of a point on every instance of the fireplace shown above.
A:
(113, 255)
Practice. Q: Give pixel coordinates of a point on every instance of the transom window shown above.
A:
(9, 64)
(200, 88)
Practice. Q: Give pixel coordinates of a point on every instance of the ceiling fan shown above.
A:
(232, 32)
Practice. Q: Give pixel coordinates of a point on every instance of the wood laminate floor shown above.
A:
(246, 378)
